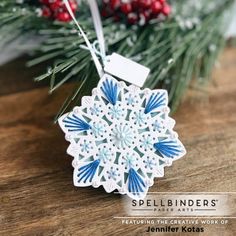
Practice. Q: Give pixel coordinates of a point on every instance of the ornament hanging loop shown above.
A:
(114, 64)
(98, 27)
(89, 45)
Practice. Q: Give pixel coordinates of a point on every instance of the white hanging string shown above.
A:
(98, 27)
(90, 47)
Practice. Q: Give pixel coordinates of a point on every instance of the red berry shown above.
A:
(132, 18)
(166, 10)
(73, 5)
(63, 16)
(156, 7)
(126, 8)
(44, 1)
(46, 12)
(105, 12)
(146, 14)
(116, 18)
(135, 11)
(144, 17)
(115, 4)
(145, 3)
(55, 6)
(135, 4)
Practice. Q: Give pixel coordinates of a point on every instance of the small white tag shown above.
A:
(126, 69)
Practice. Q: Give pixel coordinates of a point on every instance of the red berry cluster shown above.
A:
(56, 9)
(135, 11)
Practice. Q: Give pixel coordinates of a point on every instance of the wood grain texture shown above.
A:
(37, 196)
(16, 77)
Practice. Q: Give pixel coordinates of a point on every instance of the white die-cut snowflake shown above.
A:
(121, 137)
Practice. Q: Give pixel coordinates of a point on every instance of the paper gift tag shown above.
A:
(126, 69)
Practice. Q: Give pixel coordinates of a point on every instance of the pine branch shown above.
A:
(178, 51)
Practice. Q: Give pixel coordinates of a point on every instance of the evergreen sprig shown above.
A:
(179, 50)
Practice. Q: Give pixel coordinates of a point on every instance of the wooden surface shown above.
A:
(37, 196)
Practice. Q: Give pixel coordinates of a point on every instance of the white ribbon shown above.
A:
(95, 13)
(98, 27)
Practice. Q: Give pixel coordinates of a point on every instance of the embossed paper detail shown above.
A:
(121, 137)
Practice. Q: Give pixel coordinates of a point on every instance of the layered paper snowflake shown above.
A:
(121, 137)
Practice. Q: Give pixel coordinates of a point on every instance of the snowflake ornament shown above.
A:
(121, 137)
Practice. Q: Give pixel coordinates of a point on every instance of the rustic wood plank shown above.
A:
(16, 77)
(36, 192)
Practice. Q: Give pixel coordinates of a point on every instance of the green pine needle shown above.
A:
(179, 50)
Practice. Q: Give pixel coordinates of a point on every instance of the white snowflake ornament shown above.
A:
(121, 137)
